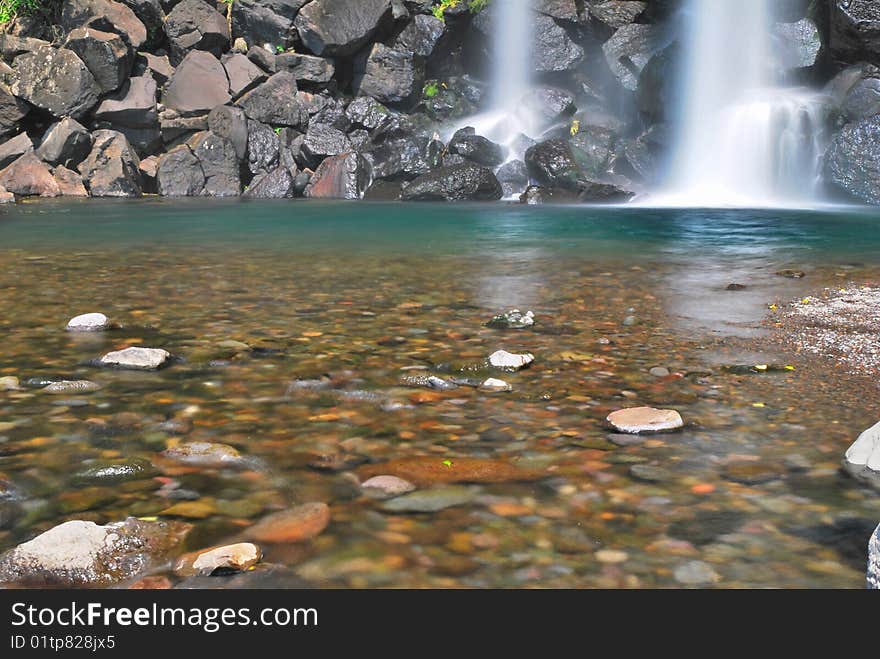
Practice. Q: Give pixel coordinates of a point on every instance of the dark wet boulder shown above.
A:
(112, 169)
(179, 173)
(514, 177)
(55, 80)
(400, 156)
(219, 163)
(195, 24)
(29, 176)
(797, 44)
(553, 164)
(12, 45)
(12, 149)
(105, 54)
(852, 162)
(306, 68)
(231, 123)
(12, 111)
(322, 141)
(340, 27)
(455, 98)
(331, 113)
(79, 553)
(262, 22)
(149, 168)
(466, 182)
(263, 148)
(477, 148)
(603, 192)
(66, 143)
(243, 74)
(593, 149)
(863, 100)
(855, 30)
(617, 13)
(105, 15)
(366, 112)
(276, 184)
(70, 183)
(390, 75)
(346, 176)
(176, 129)
(198, 85)
(554, 50)
(564, 10)
(630, 49)
(421, 35)
(276, 102)
(133, 112)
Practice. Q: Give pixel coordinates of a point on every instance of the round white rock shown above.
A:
(89, 322)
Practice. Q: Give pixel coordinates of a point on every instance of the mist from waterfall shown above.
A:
(743, 139)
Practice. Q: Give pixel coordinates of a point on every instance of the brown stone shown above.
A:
(29, 176)
(636, 420)
(424, 471)
(69, 182)
(227, 558)
(297, 524)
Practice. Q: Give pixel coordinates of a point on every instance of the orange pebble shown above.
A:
(703, 488)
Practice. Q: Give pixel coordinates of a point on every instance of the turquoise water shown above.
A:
(837, 233)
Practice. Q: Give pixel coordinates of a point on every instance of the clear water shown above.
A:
(366, 292)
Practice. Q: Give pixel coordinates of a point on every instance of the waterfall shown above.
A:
(507, 117)
(744, 140)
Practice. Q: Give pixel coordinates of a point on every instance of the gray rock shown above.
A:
(276, 102)
(243, 74)
(855, 30)
(12, 111)
(306, 68)
(368, 113)
(390, 75)
(340, 27)
(66, 143)
(513, 319)
(195, 24)
(156, 66)
(219, 163)
(107, 473)
(322, 141)
(421, 35)
(112, 168)
(69, 182)
(179, 173)
(399, 156)
(696, 573)
(81, 553)
(104, 53)
(514, 177)
(55, 80)
(198, 85)
(798, 43)
(382, 487)
(72, 387)
(141, 359)
(852, 162)
(263, 148)
(552, 163)
(863, 100)
(11, 150)
(264, 21)
(874, 561)
(276, 184)
(630, 49)
(205, 454)
(549, 103)
(105, 15)
(151, 14)
(554, 50)
(430, 501)
(456, 183)
(231, 123)
(133, 107)
(617, 13)
(507, 361)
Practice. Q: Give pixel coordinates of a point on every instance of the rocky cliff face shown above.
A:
(333, 98)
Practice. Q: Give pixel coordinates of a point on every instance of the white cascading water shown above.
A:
(511, 77)
(744, 140)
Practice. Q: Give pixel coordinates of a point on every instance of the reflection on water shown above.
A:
(252, 297)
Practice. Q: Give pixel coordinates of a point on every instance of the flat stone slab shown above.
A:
(143, 359)
(510, 362)
(72, 387)
(89, 322)
(636, 420)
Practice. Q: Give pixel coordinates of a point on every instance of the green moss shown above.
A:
(431, 89)
(9, 9)
(474, 6)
